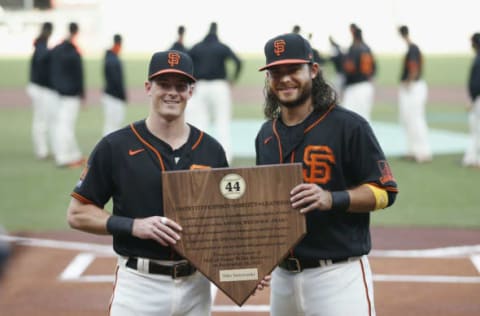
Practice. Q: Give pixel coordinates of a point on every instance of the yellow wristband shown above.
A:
(381, 196)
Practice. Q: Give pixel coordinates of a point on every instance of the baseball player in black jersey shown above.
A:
(212, 104)
(346, 176)
(359, 67)
(412, 99)
(472, 153)
(66, 73)
(43, 96)
(126, 166)
(114, 96)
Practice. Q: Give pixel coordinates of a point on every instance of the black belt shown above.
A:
(298, 265)
(181, 269)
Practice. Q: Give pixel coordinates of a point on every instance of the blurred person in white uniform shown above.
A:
(412, 99)
(211, 104)
(42, 95)
(114, 97)
(472, 153)
(66, 72)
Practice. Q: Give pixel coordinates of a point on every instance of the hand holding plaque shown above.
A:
(238, 223)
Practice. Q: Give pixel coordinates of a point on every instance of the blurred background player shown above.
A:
(412, 99)
(359, 68)
(43, 97)
(115, 97)
(336, 58)
(212, 97)
(67, 80)
(472, 153)
(179, 44)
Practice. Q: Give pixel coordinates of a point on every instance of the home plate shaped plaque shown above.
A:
(238, 223)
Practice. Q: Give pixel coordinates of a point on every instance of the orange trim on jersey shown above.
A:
(366, 64)
(113, 291)
(413, 69)
(82, 199)
(389, 189)
(199, 167)
(366, 287)
(319, 120)
(280, 151)
(149, 146)
(198, 141)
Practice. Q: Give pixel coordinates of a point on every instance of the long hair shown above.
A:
(323, 97)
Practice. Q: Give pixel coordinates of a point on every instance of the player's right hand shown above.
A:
(161, 229)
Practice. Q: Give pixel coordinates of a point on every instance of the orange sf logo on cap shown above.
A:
(278, 47)
(173, 59)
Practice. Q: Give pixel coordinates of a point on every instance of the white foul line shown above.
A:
(457, 251)
(58, 244)
(77, 266)
(425, 278)
(476, 262)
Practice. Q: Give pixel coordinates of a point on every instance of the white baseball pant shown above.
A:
(339, 289)
(212, 103)
(66, 146)
(412, 100)
(44, 108)
(358, 97)
(139, 293)
(472, 153)
(113, 113)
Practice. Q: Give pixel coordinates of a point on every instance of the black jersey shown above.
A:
(210, 56)
(113, 74)
(338, 150)
(40, 64)
(412, 63)
(66, 70)
(474, 79)
(127, 166)
(359, 64)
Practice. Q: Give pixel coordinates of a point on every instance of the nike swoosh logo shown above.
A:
(266, 141)
(134, 152)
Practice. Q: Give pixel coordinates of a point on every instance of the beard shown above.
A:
(304, 95)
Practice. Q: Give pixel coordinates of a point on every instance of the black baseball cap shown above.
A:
(288, 48)
(170, 61)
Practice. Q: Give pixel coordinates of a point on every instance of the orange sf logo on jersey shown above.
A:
(173, 59)
(278, 47)
(319, 161)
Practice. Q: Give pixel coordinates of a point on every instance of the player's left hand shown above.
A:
(309, 196)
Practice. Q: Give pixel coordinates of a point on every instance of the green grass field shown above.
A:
(35, 194)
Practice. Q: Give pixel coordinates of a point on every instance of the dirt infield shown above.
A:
(416, 272)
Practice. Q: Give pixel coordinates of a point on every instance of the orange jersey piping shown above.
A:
(149, 146)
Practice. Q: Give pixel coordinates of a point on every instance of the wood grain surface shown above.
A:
(238, 223)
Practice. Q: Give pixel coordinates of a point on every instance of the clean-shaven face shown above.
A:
(169, 93)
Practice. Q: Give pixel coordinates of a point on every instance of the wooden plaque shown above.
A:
(238, 223)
